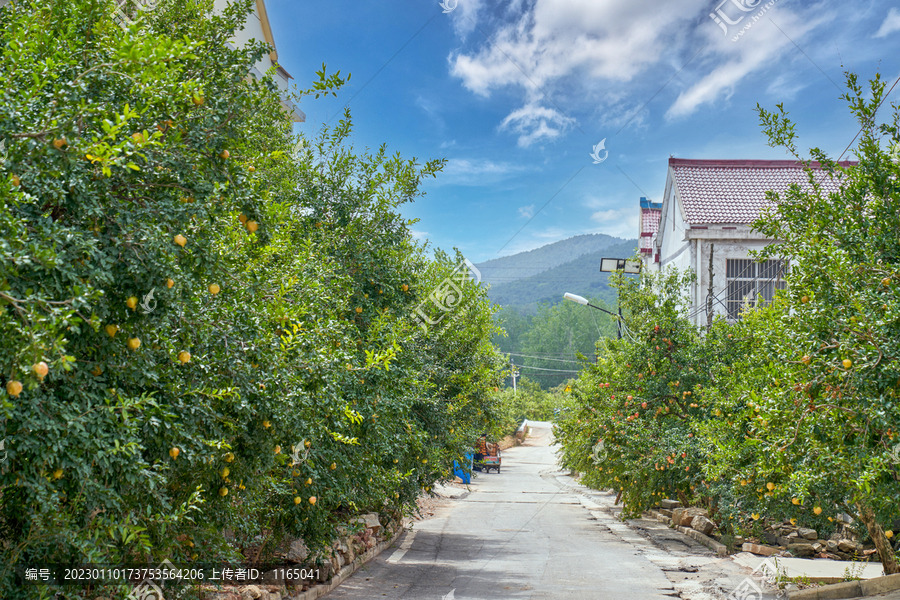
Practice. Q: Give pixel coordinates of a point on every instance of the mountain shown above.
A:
(525, 264)
(580, 276)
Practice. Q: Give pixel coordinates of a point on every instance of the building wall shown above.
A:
(725, 247)
(684, 247)
(257, 28)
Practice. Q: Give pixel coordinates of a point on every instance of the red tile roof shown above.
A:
(734, 191)
(649, 226)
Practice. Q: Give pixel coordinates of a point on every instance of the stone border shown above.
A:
(347, 570)
(850, 589)
(719, 548)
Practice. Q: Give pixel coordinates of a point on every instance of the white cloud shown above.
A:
(617, 222)
(610, 57)
(891, 23)
(464, 171)
(535, 123)
(465, 16)
(760, 46)
(418, 235)
(526, 211)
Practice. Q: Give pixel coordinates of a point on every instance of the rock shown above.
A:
(251, 591)
(340, 561)
(298, 552)
(847, 546)
(758, 549)
(666, 512)
(802, 549)
(831, 545)
(808, 534)
(819, 547)
(771, 537)
(785, 541)
(702, 524)
(670, 504)
(688, 514)
(676, 515)
(369, 521)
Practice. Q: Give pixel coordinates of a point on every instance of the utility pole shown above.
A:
(513, 374)
(709, 296)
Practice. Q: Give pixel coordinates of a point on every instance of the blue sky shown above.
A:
(516, 93)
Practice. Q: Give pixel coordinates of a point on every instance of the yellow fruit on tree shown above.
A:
(174, 452)
(57, 473)
(97, 372)
(15, 180)
(795, 501)
(770, 486)
(134, 343)
(817, 510)
(333, 466)
(58, 143)
(755, 516)
(297, 499)
(886, 281)
(198, 99)
(242, 218)
(111, 330)
(184, 357)
(170, 283)
(312, 499)
(308, 444)
(266, 424)
(40, 369)
(180, 240)
(229, 457)
(888, 534)
(804, 299)
(223, 491)
(847, 363)
(806, 359)
(137, 137)
(309, 481)
(252, 226)
(131, 302)
(404, 287)
(225, 471)
(252, 169)
(214, 289)
(358, 309)
(13, 388)
(224, 154)
(277, 449)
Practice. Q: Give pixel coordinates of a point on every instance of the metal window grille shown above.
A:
(750, 281)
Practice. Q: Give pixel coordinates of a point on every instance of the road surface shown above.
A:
(520, 535)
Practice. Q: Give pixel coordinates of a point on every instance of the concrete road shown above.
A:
(520, 535)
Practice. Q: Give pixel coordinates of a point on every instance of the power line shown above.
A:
(540, 369)
(544, 358)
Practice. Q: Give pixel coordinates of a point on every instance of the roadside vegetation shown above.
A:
(206, 332)
(791, 412)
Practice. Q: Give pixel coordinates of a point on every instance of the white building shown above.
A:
(708, 207)
(257, 28)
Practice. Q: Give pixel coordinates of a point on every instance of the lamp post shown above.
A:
(584, 301)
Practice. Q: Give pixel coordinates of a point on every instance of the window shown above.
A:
(749, 279)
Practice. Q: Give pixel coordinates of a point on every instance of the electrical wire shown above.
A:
(543, 358)
(540, 369)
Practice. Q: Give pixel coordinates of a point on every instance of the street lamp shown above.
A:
(584, 301)
(609, 265)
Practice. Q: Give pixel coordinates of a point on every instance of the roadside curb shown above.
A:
(719, 548)
(347, 570)
(850, 589)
